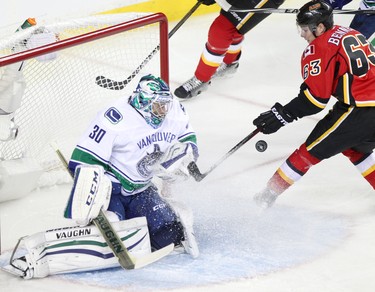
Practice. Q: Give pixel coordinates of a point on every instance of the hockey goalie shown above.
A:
(128, 144)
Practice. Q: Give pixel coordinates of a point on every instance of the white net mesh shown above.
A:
(61, 96)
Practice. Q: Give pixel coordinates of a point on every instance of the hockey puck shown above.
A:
(261, 146)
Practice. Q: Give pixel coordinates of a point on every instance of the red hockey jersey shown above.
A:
(340, 63)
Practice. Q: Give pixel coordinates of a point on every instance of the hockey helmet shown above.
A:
(313, 13)
(152, 99)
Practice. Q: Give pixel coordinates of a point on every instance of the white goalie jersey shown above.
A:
(122, 142)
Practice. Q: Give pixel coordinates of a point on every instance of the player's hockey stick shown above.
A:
(119, 85)
(125, 259)
(193, 167)
(228, 7)
(0, 235)
(295, 11)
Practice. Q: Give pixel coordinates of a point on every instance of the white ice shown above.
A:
(318, 237)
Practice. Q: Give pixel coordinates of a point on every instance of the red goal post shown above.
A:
(101, 33)
(61, 95)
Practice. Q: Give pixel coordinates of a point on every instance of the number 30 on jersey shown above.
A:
(97, 134)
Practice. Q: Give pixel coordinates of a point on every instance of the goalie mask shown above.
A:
(152, 99)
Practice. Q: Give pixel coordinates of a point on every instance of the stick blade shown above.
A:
(195, 172)
(109, 84)
(140, 262)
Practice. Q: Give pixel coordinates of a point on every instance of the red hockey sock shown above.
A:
(365, 164)
(297, 164)
(222, 36)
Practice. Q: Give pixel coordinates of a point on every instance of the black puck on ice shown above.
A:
(261, 145)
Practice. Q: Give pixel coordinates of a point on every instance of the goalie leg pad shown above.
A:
(160, 216)
(12, 88)
(91, 192)
(8, 128)
(185, 217)
(76, 249)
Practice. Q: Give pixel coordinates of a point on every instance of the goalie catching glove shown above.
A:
(91, 192)
(173, 164)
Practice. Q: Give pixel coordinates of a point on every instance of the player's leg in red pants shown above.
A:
(223, 45)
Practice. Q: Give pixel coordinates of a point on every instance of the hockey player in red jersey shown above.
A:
(223, 47)
(338, 62)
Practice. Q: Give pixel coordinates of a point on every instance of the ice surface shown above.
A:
(318, 237)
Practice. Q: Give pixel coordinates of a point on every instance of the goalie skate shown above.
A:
(185, 216)
(190, 243)
(20, 268)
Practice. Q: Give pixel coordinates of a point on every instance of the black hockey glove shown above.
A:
(207, 2)
(271, 121)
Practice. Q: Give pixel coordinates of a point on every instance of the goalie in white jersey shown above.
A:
(133, 140)
(114, 163)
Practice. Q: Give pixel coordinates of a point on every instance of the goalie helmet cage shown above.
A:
(61, 96)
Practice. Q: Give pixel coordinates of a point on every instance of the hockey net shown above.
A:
(61, 96)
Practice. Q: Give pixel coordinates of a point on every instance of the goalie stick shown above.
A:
(193, 167)
(125, 259)
(119, 85)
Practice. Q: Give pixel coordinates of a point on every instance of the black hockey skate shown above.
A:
(191, 88)
(226, 70)
(265, 199)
